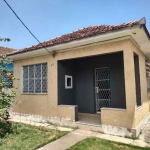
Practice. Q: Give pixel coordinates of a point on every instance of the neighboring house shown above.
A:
(96, 75)
(6, 50)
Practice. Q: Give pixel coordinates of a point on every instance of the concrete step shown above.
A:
(89, 126)
(89, 118)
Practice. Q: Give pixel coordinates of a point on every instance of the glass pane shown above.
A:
(44, 85)
(31, 85)
(31, 71)
(68, 81)
(38, 86)
(25, 72)
(25, 86)
(44, 70)
(37, 71)
(148, 83)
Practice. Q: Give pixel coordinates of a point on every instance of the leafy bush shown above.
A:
(7, 97)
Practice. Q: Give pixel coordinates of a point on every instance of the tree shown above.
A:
(5, 39)
(7, 92)
(7, 95)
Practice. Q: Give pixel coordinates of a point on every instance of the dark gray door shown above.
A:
(102, 88)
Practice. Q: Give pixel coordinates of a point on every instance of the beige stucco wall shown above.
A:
(46, 104)
(142, 111)
(132, 116)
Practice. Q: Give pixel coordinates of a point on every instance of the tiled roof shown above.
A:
(6, 50)
(80, 34)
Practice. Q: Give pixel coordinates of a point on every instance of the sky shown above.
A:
(48, 19)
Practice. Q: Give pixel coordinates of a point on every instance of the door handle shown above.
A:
(97, 89)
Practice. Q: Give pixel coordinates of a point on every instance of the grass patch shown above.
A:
(94, 143)
(29, 137)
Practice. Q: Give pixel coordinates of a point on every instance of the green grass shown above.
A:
(94, 143)
(29, 137)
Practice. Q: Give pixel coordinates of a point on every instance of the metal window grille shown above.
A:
(147, 64)
(103, 93)
(35, 78)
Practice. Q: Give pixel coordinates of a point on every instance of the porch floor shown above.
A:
(93, 119)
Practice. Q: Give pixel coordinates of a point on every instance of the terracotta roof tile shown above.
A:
(80, 34)
(6, 50)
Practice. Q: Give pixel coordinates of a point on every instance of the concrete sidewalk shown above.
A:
(145, 135)
(68, 140)
(72, 138)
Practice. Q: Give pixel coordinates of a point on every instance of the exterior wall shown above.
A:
(41, 104)
(132, 116)
(46, 104)
(66, 96)
(83, 72)
(143, 111)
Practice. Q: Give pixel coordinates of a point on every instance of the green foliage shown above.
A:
(29, 137)
(5, 39)
(6, 127)
(94, 143)
(7, 92)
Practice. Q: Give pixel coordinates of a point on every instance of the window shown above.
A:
(147, 63)
(137, 79)
(35, 78)
(68, 82)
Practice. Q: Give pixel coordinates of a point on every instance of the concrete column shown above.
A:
(129, 76)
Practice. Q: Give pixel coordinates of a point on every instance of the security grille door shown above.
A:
(102, 88)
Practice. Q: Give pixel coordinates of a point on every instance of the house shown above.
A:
(4, 51)
(95, 75)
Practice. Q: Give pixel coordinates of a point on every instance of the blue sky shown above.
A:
(50, 18)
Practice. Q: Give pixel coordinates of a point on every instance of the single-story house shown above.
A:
(5, 51)
(96, 75)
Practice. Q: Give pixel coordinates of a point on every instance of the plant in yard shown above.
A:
(7, 95)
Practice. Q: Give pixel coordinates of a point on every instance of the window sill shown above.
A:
(138, 107)
(115, 109)
(34, 94)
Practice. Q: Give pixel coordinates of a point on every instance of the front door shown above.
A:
(102, 88)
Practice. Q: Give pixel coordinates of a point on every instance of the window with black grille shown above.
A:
(35, 78)
(137, 79)
(147, 63)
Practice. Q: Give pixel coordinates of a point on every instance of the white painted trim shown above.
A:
(21, 79)
(41, 51)
(66, 77)
(115, 109)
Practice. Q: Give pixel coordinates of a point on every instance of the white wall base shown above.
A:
(114, 130)
(38, 118)
(107, 129)
(120, 131)
(142, 125)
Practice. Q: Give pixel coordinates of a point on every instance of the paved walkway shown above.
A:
(68, 140)
(145, 136)
(74, 137)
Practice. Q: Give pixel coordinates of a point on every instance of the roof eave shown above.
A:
(106, 37)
